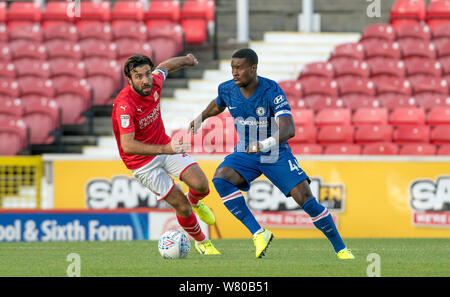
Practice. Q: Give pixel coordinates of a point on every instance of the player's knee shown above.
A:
(301, 193)
(201, 186)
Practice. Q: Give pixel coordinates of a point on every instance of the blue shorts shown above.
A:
(285, 173)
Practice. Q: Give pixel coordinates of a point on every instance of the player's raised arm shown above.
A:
(211, 110)
(175, 63)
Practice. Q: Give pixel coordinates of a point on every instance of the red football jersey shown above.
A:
(133, 113)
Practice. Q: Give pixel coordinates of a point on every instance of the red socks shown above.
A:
(194, 197)
(192, 227)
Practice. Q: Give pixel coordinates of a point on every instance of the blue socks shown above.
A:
(324, 222)
(233, 200)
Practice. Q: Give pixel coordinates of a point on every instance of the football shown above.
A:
(174, 244)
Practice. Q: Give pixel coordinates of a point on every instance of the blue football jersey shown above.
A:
(255, 118)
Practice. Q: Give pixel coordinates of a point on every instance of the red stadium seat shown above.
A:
(125, 49)
(438, 13)
(9, 88)
(440, 134)
(439, 116)
(342, 149)
(303, 117)
(136, 31)
(443, 150)
(333, 116)
(443, 49)
(431, 85)
(370, 116)
(319, 86)
(23, 12)
(392, 101)
(92, 48)
(62, 69)
(42, 116)
(407, 116)
(11, 109)
(414, 149)
(381, 49)
(393, 86)
(406, 12)
(35, 68)
(335, 134)
(3, 10)
(355, 101)
(318, 102)
(291, 88)
(351, 69)
(162, 13)
(304, 134)
(386, 68)
(27, 50)
(421, 49)
(98, 11)
(5, 52)
(306, 149)
(127, 10)
(407, 134)
(357, 86)
(13, 136)
(317, 69)
(194, 20)
(419, 68)
(380, 148)
(31, 87)
(59, 12)
(167, 40)
(94, 30)
(65, 31)
(373, 133)
(63, 49)
(7, 70)
(31, 32)
(104, 77)
(74, 98)
(442, 32)
(416, 32)
(379, 32)
(429, 101)
(3, 33)
(350, 50)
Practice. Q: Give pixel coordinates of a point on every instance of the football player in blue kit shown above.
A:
(264, 123)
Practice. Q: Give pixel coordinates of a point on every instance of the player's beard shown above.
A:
(140, 90)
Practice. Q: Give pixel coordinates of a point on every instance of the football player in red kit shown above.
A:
(149, 152)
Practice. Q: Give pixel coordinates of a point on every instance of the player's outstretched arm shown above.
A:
(175, 63)
(211, 110)
(132, 146)
(286, 130)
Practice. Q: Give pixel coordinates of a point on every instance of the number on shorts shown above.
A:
(294, 165)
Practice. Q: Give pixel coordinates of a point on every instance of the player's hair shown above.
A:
(136, 61)
(248, 54)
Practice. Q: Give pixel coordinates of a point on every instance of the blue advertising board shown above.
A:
(73, 226)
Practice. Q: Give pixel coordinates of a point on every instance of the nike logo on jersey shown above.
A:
(232, 107)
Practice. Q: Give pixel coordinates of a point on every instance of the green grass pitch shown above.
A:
(285, 257)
